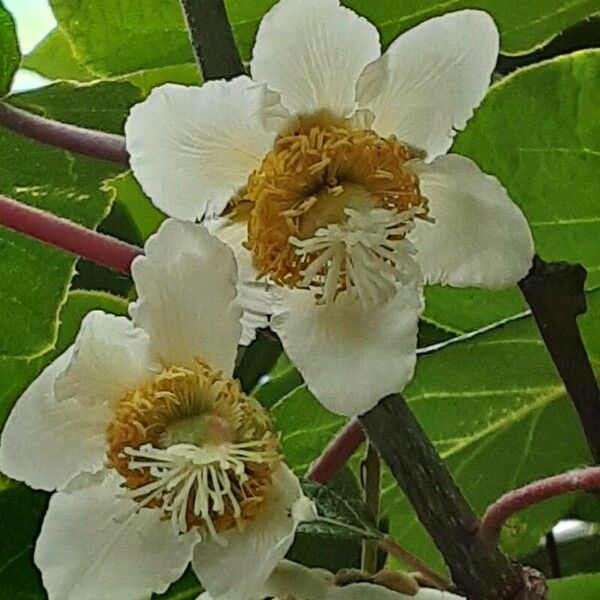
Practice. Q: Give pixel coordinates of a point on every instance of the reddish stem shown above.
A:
(68, 236)
(337, 454)
(516, 500)
(97, 144)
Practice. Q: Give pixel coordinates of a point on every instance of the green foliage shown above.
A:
(495, 420)
(53, 58)
(492, 403)
(100, 105)
(36, 277)
(10, 57)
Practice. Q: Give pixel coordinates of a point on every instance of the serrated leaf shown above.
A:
(538, 131)
(22, 509)
(580, 587)
(339, 516)
(10, 56)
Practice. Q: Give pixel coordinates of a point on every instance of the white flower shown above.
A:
(155, 455)
(292, 581)
(329, 166)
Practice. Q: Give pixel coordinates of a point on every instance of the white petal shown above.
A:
(350, 355)
(192, 148)
(46, 442)
(480, 237)
(89, 550)
(239, 570)
(186, 284)
(110, 358)
(259, 299)
(425, 87)
(313, 51)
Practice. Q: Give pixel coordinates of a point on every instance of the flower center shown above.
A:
(329, 210)
(191, 444)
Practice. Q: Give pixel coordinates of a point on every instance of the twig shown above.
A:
(555, 293)
(337, 453)
(212, 39)
(68, 236)
(478, 569)
(89, 142)
(371, 482)
(392, 547)
(516, 500)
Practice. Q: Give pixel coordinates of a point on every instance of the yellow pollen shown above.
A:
(310, 180)
(191, 443)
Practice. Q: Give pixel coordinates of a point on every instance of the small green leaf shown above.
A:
(10, 57)
(187, 588)
(338, 516)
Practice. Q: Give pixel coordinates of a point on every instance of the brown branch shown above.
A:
(89, 142)
(534, 493)
(555, 293)
(478, 569)
(212, 39)
(68, 236)
(337, 454)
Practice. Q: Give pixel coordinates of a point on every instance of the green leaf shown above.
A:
(339, 516)
(53, 58)
(538, 131)
(100, 105)
(581, 587)
(495, 410)
(36, 277)
(10, 57)
(280, 383)
(17, 373)
(22, 509)
(500, 420)
(523, 26)
(144, 215)
(115, 38)
(21, 513)
(306, 428)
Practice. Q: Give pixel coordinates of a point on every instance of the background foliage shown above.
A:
(491, 401)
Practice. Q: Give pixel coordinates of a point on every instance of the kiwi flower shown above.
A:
(155, 455)
(329, 170)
